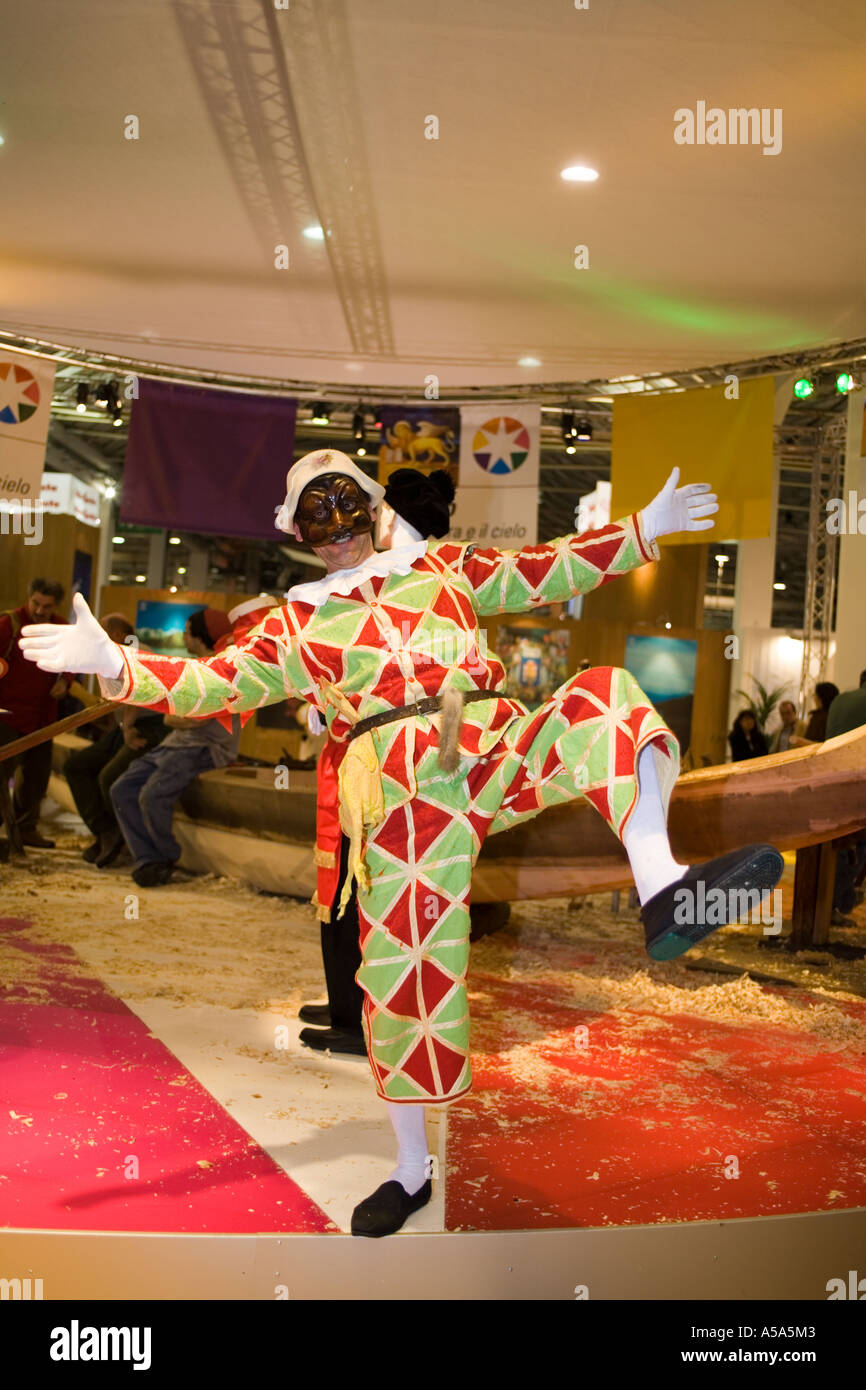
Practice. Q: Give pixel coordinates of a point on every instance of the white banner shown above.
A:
(63, 494)
(497, 495)
(505, 519)
(594, 509)
(26, 387)
(499, 450)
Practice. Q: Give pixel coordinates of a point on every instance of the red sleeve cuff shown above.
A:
(648, 549)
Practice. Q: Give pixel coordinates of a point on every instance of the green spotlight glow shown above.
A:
(844, 382)
(803, 388)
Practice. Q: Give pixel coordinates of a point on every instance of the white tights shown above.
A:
(646, 834)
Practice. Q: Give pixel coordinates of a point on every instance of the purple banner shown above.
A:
(208, 461)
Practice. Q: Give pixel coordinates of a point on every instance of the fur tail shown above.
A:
(449, 729)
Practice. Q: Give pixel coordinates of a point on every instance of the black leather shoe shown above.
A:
(153, 875)
(92, 853)
(34, 840)
(675, 920)
(112, 843)
(320, 1014)
(334, 1040)
(387, 1209)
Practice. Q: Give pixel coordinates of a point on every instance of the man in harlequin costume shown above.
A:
(386, 646)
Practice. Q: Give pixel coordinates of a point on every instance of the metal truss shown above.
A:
(822, 553)
(241, 64)
(323, 77)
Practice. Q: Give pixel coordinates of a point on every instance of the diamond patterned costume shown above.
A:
(417, 831)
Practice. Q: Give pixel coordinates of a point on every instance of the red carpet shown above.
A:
(86, 1090)
(639, 1126)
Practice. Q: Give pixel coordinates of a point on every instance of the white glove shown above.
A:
(679, 509)
(83, 646)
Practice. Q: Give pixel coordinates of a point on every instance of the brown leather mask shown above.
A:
(332, 508)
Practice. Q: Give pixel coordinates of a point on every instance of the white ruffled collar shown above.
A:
(398, 560)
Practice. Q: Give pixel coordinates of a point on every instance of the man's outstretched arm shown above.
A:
(516, 581)
(260, 672)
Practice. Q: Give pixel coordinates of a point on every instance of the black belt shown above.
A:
(426, 706)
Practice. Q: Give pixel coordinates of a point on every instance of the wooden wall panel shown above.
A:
(671, 590)
(53, 558)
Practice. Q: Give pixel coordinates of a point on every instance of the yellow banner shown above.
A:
(725, 442)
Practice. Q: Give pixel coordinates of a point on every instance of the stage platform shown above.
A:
(636, 1130)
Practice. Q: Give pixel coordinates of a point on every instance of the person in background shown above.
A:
(28, 701)
(791, 732)
(143, 797)
(816, 729)
(846, 713)
(91, 772)
(745, 738)
(415, 505)
(848, 710)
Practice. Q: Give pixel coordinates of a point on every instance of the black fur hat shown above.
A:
(422, 499)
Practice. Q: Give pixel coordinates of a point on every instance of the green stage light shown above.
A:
(844, 382)
(803, 388)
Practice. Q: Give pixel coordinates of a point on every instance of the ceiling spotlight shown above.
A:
(141, 579)
(667, 625)
(844, 383)
(174, 540)
(528, 362)
(106, 395)
(321, 413)
(579, 173)
(314, 232)
(569, 431)
(779, 585)
(109, 490)
(172, 589)
(583, 429)
(721, 559)
(358, 433)
(81, 394)
(804, 388)
(181, 569)
(118, 540)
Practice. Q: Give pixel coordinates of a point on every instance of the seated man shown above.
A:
(91, 772)
(28, 701)
(143, 797)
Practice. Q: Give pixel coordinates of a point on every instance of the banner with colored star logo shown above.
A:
(497, 493)
(26, 388)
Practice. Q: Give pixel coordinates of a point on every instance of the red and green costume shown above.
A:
(416, 831)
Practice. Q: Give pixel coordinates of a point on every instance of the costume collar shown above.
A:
(398, 560)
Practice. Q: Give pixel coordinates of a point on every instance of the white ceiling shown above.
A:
(453, 256)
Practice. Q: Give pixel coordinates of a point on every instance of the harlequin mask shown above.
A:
(332, 508)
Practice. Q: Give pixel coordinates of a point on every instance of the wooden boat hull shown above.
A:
(802, 797)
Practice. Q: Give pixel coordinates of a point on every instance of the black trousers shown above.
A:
(341, 953)
(32, 771)
(91, 772)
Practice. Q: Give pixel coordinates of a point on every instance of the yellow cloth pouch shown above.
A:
(362, 805)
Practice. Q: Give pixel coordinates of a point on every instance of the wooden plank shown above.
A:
(814, 879)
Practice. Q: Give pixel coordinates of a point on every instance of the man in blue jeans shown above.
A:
(143, 798)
